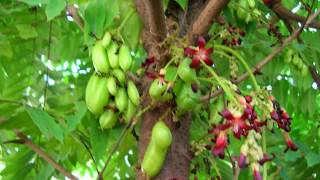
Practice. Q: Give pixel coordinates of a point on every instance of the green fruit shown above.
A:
(133, 93)
(304, 71)
(288, 56)
(165, 97)
(157, 88)
(296, 60)
(112, 55)
(119, 74)
(121, 100)
(97, 95)
(186, 73)
(112, 85)
(99, 58)
(251, 3)
(131, 110)
(156, 152)
(108, 119)
(125, 59)
(242, 12)
(106, 39)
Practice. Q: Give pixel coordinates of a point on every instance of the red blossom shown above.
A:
(266, 158)
(256, 174)
(290, 144)
(199, 53)
(220, 144)
(148, 62)
(242, 161)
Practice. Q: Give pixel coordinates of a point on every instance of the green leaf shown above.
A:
(99, 140)
(46, 123)
(171, 73)
(131, 30)
(112, 10)
(54, 8)
(292, 156)
(182, 3)
(73, 121)
(26, 31)
(312, 159)
(34, 2)
(44, 173)
(6, 49)
(95, 16)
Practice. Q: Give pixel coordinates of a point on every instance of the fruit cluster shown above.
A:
(247, 10)
(295, 59)
(109, 92)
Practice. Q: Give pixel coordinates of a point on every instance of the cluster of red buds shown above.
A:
(234, 36)
(244, 122)
(199, 53)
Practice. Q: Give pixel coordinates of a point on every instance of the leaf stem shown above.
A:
(243, 62)
(223, 86)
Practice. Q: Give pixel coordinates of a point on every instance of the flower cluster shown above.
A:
(243, 121)
(199, 53)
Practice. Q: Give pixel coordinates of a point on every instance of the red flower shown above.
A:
(198, 54)
(266, 158)
(290, 144)
(238, 124)
(256, 174)
(242, 161)
(148, 62)
(221, 144)
(282, 118)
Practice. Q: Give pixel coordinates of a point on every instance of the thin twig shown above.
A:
(127, 129)
(267, 59)
(44, 155)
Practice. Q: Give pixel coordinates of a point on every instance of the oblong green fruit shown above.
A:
(156, 152)
(106, 39)
(304, 71)
(121, 100)
(157, 88)
(112, 55)
(108, 119)
(125, 58)
(296, 60)
(97, 95)
(186, 73)
(130, 112)
(99, 58)
(120, 75)
(251, 3)
(112, 85)
(133, 93)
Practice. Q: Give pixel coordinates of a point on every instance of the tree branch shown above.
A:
(267, 59)
(43, 154)
(203, 22)
(73, 12)
(286, 14)
(315, 75)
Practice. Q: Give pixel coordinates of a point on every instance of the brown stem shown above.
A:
(267, 59)
(203, 22)
(44, 155)
(286, 14)
(73, 12)
(315, 75)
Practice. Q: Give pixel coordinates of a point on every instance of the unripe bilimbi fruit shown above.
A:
(130, 112)
(161, 139)
(133, 93)
(112, 55)
(99, 58)
(106, 39)
(112, 85)
(125, 59)
(121, 100)
(97, 95)
(157, 88)
(119, 74)
(108, 119)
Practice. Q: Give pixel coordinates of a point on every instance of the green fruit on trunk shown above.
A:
(121, 100)
(112, 85)
(97, 95)
(130, 112)
(106, 39)
(157, 88)
(120, 75)
(161, 139)
(186, 73)
(133, 93)
(113, 56)
(125, 59)
(99, 58)
(108, 119)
